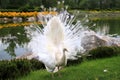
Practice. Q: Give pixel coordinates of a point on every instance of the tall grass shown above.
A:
(99, 69)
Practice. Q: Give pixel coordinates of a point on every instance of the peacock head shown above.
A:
(65, 50)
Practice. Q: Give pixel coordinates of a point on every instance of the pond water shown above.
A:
(112, 25)
(13, 36)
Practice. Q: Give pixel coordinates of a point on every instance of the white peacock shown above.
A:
(58, 40)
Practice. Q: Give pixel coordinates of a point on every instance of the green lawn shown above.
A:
(100, 69)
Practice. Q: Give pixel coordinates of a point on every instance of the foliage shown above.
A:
(14, 68)
(74, 62)
(102, 52)
(25, 14)
(8, 70)
(23, 65)
(18, 67)
(18, 14)
(25, 5)
(36, 65)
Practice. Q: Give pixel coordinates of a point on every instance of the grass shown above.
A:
(100, 69)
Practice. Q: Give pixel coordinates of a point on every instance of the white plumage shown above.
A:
(56, 42)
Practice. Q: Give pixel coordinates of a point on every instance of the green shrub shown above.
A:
(8, 70)
(36, 65)
(74, 62)
(102, 52)
(23, 65)
(13, 69)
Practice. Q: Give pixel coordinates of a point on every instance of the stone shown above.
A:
(27, 56)
(92, 41)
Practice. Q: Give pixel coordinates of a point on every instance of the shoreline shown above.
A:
(97, 14)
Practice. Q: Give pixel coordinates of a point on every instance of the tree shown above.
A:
(48, 3)
(4, 3)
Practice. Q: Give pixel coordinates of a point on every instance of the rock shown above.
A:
(17, 19)
(27, 56)
(92, 41)
(31, 19)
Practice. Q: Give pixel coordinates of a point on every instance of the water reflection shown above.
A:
(12, 38)
(107, 26)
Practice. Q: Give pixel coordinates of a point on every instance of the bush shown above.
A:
(74, 62)
(23, 65)
(102, 52)
(36, 65)
(8, 70)
(18, 67)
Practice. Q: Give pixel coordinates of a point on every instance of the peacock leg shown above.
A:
(53, 75)
(59, 71)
